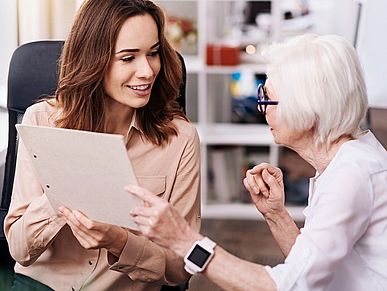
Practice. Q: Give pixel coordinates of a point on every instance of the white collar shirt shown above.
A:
(343, 245)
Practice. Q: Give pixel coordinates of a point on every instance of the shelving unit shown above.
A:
(203, 100)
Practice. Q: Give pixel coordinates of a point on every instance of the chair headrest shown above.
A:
(33, 72)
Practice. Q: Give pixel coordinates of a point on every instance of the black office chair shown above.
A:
(33, 73)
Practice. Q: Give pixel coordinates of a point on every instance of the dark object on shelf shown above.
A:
(297, 191)
(254, 8)
(288, 15)
(244, 110)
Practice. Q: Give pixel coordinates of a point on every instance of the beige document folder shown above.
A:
(83, 170)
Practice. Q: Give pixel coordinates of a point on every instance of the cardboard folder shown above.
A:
(83, 170)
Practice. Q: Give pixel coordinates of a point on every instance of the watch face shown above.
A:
(199, 256)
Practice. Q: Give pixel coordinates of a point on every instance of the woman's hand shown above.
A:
(161, 223)
(95, 235)
(266, 187)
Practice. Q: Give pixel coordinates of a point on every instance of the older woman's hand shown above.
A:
(266, 187)
(161, 223)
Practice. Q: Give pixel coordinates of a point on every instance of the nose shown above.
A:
(144, 69)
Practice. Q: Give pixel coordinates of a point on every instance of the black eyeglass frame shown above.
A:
(263, 99)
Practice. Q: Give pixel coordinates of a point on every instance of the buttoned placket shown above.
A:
(91, 265)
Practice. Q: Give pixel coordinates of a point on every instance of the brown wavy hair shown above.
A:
(86, 54)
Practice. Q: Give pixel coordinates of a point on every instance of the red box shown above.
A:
(221, 55)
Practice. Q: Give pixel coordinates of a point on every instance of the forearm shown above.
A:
(232, 273)
(283, 229)
(30, 231)
(226, 270)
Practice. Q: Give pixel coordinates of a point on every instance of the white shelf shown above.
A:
(255, 68)
(244, 211)
(193, 64)
(235, 134)
(3, 96)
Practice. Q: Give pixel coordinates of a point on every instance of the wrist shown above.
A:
(199, 255)
(276, 215)
(119, 243)
(181, 245)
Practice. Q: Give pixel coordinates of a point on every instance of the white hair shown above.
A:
(320, 83)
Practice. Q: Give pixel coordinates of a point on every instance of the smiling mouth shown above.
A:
(139, 87)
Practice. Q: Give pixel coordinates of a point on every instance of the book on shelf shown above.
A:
(226, 164)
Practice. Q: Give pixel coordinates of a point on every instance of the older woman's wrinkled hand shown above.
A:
(265, 185)
(162, 223)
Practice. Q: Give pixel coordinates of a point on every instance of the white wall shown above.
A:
(45, 19)
(8, 37)
(372, 48)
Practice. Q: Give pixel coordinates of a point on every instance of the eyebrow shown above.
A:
(136, 50)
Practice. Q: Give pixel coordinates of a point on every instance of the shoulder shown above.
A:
(354, 169)
(42, 113)
(185, 128)
(364, 155)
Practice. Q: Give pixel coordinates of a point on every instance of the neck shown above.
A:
(319, 156)
(118, 117)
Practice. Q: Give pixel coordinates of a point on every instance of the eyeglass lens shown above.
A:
(262, 97)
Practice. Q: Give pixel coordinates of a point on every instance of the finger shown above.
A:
(64, 211)
(247, 186)
(270, 180)
(84, 220)
(81, 233)
(83, 238)
(258, 168)
(71, 218)
(143, 221)
(143, 194)
(252, 185)
(258, 180)
(144, 211)
(257, 183)
(276, 172)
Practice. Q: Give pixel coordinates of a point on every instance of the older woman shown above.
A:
(314, 101)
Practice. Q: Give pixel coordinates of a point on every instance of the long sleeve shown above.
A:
(142, 259)
(336, 219)
(31, 223)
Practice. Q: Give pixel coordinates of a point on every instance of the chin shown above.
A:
(140, 104)
(276, 139)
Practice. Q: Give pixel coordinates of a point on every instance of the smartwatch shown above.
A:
(199, 255)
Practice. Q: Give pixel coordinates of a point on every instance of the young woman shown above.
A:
(118, 75)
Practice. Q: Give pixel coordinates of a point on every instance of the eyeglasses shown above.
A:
(263, 99)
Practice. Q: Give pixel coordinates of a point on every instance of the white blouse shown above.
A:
(343, 245)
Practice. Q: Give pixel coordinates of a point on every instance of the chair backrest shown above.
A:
(33, 73)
